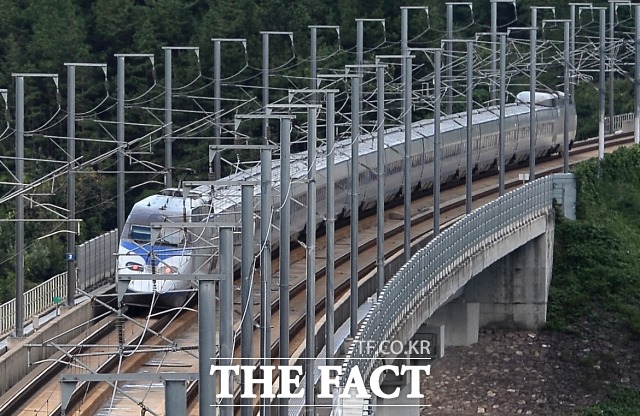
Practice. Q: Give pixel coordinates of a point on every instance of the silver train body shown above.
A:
(224, 202)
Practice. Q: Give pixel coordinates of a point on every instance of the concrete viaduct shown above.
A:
(492, 267)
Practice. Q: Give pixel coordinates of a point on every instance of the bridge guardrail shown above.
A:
(36, 301)
(95, 266)
(621, 122)
(95, 261)
(426, 272)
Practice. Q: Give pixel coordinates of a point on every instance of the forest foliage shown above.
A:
(40, 36)
(595, 290)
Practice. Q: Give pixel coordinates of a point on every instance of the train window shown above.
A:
(171, 192)
(364, 177)
(417, 160)
(546, 128)
(300, 202)
(394, 167)
(429, 156)
(321, 193)
(140, 233)
(450, 150)
(172, 236)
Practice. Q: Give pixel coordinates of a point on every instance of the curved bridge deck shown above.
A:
(468, 260)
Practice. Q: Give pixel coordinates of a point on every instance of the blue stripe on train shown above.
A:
(161, 252)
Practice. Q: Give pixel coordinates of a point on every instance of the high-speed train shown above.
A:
(171, 251)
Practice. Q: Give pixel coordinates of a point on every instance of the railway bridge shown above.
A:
(492, 266)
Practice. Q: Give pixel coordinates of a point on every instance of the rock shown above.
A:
(519, 353)
(491, 394)
(481, 410)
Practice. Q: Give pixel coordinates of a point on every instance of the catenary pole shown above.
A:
(331, 221)
(636, 118)
(217, 98)
(469, 177)
(532, 96)
(567, 98)
(406, 91)
(311, 264)
(285, 255)
(380, 182)
(71, 181)
(437, 144)
(168, 109)
(246, 286)
(355, 141)
(601, 97)
(71, 185)
(19, 216)
(533, 131)
(120, 133)
(501, 135)
(19, 324)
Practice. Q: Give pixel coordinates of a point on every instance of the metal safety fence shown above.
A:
(423, 278)
(36, 300)
(621, 123)
(96, 266)
(96, 263)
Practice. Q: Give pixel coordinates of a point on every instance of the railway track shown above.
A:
(96, 350)
(172, 349)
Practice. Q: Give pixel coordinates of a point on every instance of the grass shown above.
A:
(596, 271)
(623, 402)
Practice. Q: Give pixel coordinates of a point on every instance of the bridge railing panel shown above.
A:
(36, 301)
(95, 260)
(95, 267)
(621, 122)
(426, 274)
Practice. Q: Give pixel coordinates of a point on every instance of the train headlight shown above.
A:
(136, 267)
(169, 270)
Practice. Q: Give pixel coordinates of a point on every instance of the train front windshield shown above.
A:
(138, 229)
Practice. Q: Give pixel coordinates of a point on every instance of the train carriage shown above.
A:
(173, 256)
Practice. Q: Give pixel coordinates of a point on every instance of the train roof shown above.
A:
(545, 99)
(167, 204)
(226, 197)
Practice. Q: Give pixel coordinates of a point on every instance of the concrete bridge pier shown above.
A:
(513, 291)
(402, 405)
(460, 321)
